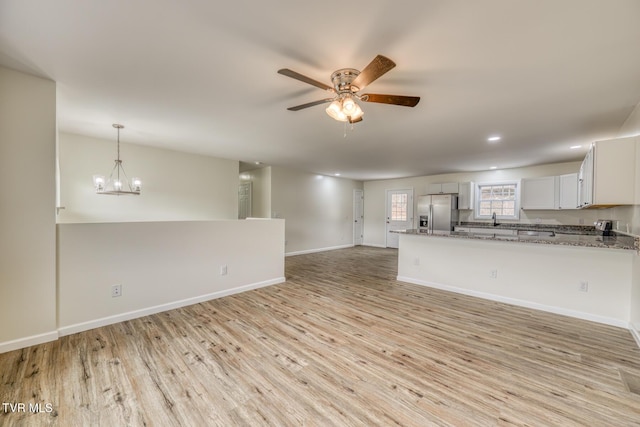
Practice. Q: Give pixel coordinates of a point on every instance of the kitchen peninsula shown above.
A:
(549, 235)
(564, 270)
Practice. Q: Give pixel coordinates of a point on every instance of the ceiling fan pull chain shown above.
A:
(345, 130)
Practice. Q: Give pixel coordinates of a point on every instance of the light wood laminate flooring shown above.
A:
(340, 343)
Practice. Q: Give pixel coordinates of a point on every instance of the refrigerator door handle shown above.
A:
(430, 219)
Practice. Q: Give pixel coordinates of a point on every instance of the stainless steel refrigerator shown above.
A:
(437, 212)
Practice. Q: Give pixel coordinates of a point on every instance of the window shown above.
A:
(399, 207)
(499, 198)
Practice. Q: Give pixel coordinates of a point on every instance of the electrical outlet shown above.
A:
(223, 270)
(116, 291)
(493, 274)
(584, 286)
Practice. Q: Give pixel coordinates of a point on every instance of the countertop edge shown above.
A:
(617, 245)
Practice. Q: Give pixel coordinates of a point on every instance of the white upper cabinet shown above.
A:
(568, 191)
(539, 193)
(446, 188)
(466, 195)
(585, 181)
(607, 174)
(550, 192)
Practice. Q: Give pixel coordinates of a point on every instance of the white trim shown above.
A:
(635, 333)
(522, 303)
(28, 341)
(374, 245)
(85, 326)
(312, 251)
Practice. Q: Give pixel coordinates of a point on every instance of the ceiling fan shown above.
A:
(347, 82)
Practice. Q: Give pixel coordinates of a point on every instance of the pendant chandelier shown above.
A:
(117, 184)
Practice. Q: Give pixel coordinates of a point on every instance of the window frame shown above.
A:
(478, 190)
(405, 203)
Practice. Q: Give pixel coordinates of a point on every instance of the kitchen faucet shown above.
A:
(493, 217)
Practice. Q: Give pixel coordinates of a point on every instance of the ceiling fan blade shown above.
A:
(310, 104)
(405, 101)
(290, 73)
(376, 68)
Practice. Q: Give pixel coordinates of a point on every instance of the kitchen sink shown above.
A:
(505, 237)
(536, 233)
(482, 235)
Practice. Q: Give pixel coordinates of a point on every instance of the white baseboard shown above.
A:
(28, 341)
(312, 251)
(374, 245)
(92, 324)
(522, 303)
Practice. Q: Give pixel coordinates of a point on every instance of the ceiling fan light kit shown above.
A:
(346, 83)
(345, 109)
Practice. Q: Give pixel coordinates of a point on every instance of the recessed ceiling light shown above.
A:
(575, 147)
(336, 174)
(258, 163)
(493, 167)
(494, 138)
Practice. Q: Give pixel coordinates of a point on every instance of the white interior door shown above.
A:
(358, 217)
(244, 199)
(399, 214)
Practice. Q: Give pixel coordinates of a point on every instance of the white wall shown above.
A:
(631, 214)
(318, 209)
(375, 193)
(176, 186)
(261, 187)
(160, 265)
(27, 210)
(545, 277)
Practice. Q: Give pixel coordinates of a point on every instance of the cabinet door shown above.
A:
(450, 188)
(585, 181)
(539, 193)
(613, 171)
(446, 188)
(465, 195)
(434, 189)
(568, 187)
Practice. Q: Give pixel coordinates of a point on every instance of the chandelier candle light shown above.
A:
(114, 185)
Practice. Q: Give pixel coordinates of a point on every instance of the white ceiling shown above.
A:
(201, 76)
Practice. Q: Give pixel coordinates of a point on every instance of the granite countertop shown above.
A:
(579, 236)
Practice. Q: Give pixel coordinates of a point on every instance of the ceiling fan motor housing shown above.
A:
(342, 79)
